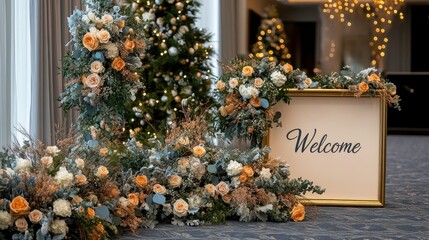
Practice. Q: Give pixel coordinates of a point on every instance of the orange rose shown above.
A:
(129, 45)
(141, 181)
(223, 111)
(243, 178)
(373, 77)
(19, 206)
(81, 180)
(287, 68)
(121, 24)
(90, 212)
(298, 213)
(118, 64)
(363, 87)
(247, 71)
(90, 41)
(255, 102)
(248, 170)
(199, 151)
(133, 199)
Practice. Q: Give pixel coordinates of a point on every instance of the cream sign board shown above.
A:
(336, 140)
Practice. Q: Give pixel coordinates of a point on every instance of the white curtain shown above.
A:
(15, 65)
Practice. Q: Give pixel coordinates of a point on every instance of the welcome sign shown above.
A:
(336, 140)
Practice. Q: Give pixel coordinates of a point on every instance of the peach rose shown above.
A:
(248, 170)
(80, 163)
(220, 85)
(90, 41)
(103, 35)
(81, 180)
(121, 24)
(247, 71)
(103, 151)
(373, 77)
(175, 181)
(258, 82)
(180, 208)
(287, 68)
(97, 67)
(198, 151)
(129, 45)
(35, 216)
(102, 172)
(222, 188)
(118, 64)
(158, 188)
(19, 206)
(21, 224)
(223, 111)
(298, 213)
(227, 198)
(141, 181)
(363, 87)
(308, 82)
(93, 80)
(255, 102)
(107, 19)
(210, 188)
(133, 199)
(243, 178)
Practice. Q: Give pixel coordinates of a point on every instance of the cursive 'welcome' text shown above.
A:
(319, 146)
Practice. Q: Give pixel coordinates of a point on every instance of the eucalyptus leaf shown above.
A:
(103, 213)
(159, 199)
(212, 168)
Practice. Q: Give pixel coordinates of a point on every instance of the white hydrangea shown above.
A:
(265, 173)
(58, 227)
(22, 164)
(63, 177)
(234, 168)
(62, 208)
(278, 78)
(5, 220)
(265, 208)
(194, 201)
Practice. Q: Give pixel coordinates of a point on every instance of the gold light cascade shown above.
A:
(380, 13)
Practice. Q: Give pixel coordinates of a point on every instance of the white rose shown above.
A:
(234, 168)
(253, 92)
(22, 164)
(53, 150)
(97, 67)
(93, 30)
(92, 17)
(243, 92)
(235, 181)
(5, 220)
(265, 173)
(62, 208)
(63, 177)
(86, 19)
(58, 227)
(278, 78)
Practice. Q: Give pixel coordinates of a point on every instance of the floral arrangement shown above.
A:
(102, 69)
(76, 190)
(247, 92)
(367, 81)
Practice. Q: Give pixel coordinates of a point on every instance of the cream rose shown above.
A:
(123, 202)
(102, 172)
(47, 161)
(62, 208)
(5, 220)
(247, 71)
(175, 181)
(35, 216)
(222, 188)
(63, 177)
(90, 41)
(107, 19)
(234, 168)
(93, 80)
(211, 189)
(103, 35)
(80, 163)
(265, 173)
(58, 227)
(180, 208)
(233, 82)
(21, 224)
(158, 188)
(103, 151)
(97, 67)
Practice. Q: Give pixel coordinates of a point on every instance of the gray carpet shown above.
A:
(405, 215)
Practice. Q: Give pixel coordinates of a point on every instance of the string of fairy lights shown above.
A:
(381, 13)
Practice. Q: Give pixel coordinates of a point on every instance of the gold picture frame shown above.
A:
(338, 141)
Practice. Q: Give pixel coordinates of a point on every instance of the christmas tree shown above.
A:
(271, 38)
(176, 69)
